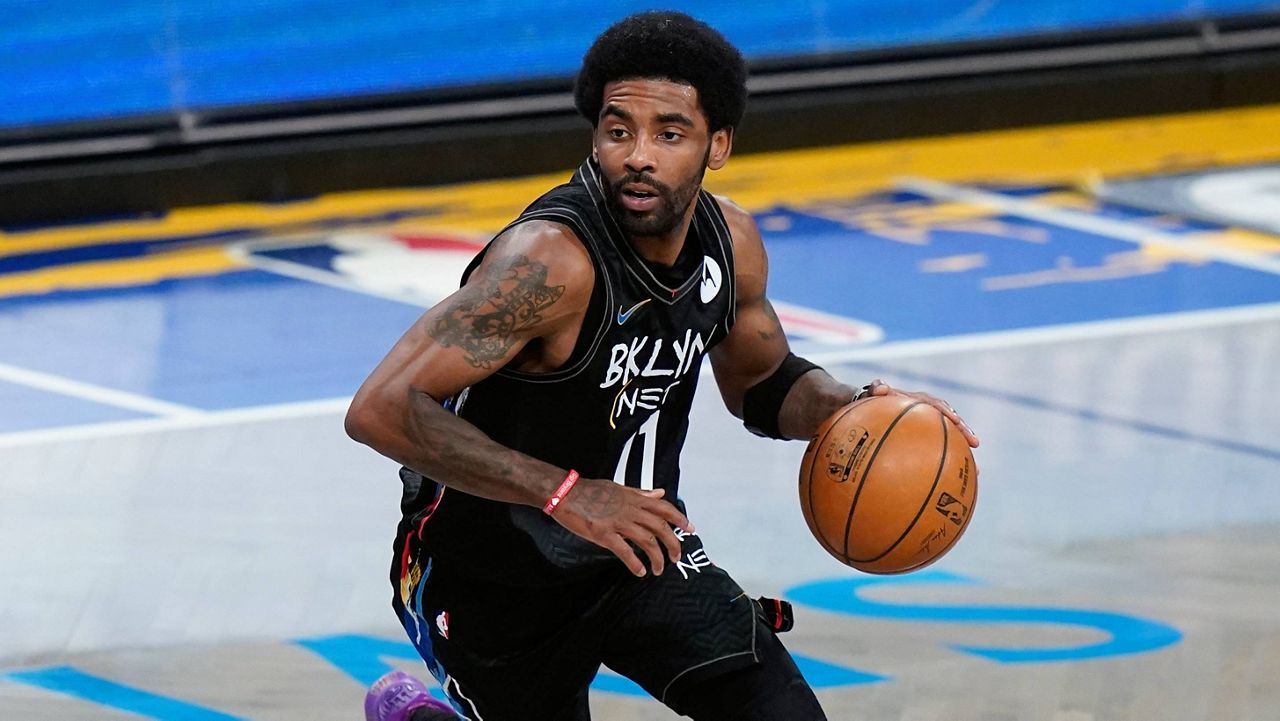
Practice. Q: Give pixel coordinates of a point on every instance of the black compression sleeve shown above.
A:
(763, 401)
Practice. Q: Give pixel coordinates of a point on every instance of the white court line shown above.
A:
(904, 349)
(96, 394)
(209, 419)
(1090, 330)
(1107, 227)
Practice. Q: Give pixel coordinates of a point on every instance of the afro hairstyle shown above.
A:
(666, 46)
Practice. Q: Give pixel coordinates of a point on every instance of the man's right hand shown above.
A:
(610, 515)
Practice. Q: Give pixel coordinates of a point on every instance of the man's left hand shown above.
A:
(880, 388)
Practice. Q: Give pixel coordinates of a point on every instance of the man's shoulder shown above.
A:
(729, 207)
(550, 239)
(547, 247)
(571, 197)
(742, 225)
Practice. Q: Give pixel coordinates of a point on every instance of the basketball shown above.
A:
(888, 484)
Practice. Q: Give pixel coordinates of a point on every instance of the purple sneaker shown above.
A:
(396, 695)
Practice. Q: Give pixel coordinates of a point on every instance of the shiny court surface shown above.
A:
(186, 533)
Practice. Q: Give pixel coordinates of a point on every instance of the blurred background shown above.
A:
(1063, 217)
(144, 104)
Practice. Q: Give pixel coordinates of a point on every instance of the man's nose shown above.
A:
(640, 159)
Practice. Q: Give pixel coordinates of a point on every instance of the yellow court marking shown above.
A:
(1074, 154)
(121, 273)
(183, 222)
(1242, 239)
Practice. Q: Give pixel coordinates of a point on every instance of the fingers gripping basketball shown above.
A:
(888, 484)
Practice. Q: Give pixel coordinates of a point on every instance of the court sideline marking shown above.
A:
(1147, 325)
(1237, 136)
(1028, 401)
(96, 394)
(1048, 335)
(1107, 227)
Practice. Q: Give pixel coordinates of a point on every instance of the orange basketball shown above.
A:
(888, 484)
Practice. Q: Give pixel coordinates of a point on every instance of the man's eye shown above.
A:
(617, 133)
(670, 135)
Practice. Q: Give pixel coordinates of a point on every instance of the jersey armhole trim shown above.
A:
(721, 225)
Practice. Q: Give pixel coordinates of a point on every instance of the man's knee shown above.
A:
(772, 690)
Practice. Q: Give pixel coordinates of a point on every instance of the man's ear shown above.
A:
(721, 147)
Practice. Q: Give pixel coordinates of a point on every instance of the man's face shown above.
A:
(653, 146)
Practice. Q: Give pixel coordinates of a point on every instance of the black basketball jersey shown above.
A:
(619, 408)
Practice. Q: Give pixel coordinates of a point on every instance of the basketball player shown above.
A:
(539, 413)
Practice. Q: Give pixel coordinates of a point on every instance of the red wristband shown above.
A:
(554, 501)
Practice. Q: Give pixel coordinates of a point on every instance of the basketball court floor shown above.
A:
(186, 534)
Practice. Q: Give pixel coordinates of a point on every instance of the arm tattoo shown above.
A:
(776, 331)
(487, 318)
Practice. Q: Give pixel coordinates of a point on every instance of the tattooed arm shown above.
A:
(534, 284)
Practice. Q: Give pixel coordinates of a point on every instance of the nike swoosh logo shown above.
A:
(622, 317)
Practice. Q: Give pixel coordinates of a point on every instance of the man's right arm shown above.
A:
(534, 283)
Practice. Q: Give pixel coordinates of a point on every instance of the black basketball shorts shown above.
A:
(505, 653)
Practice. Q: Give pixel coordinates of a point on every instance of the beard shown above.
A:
(666, 216)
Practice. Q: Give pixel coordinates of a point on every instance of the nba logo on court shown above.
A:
(423, 267)
(419, 268)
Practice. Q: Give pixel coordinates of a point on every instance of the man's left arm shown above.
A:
(776, 393)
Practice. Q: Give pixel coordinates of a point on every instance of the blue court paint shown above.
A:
(252, 338)
(317, 256)
(121, 250)
(610, 682)
(77, 684)
(360, 657)
(125, 248)
(886, 260)
(236, 340)
(27, 409)
(1222, 444)
(819, 674)
(1126, 634)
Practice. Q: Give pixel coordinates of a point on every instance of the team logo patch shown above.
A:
(442, 624)
(712, 279)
